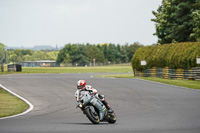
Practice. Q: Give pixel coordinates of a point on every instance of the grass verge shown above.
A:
(111, 68)
(10, 105)
(117, 76)
(183, 83)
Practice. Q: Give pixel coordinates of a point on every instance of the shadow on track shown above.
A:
(86, 124)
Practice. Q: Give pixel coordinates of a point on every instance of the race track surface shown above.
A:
(141, 106)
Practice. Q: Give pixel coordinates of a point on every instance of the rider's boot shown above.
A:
(105, 103)
(107, 106)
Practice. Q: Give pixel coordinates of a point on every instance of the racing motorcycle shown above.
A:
(94, 109)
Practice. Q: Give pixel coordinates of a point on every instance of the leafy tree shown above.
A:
(196, 21)
(132, 48)
(21, 55)
(73, 53)
(2, 52)
(62, 55)
(94, 52)
(177, 21)
(81, 60)
(111, 53)
(67, 60)
(12, 57)
(102, 53)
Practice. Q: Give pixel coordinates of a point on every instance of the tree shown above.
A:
(62, 54)
(67, 60)
(112, 53)
(81, 60)
(196, 21)
(176, 21)
(80, 56)
(21, 55)
(102, 53)
(73, 54)
(93, 52)
(132, 48)
(105, 50)
(2, 52)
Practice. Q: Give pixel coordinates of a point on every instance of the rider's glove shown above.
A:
(92, 93)
(101, 96)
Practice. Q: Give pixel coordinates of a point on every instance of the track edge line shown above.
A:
(169, 85)
(23, 113)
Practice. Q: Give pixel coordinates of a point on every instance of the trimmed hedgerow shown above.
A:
(178, 55)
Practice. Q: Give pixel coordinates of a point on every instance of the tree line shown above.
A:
(76, 54)
(85, 54)
(23, 55)
(2, 53)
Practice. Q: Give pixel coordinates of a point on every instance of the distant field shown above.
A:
(123, 68)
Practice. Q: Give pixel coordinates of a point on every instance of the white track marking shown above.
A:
(28, 110)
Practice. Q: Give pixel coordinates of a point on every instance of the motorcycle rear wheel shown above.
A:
(94, 118)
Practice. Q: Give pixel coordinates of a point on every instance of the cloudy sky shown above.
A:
(58, 22)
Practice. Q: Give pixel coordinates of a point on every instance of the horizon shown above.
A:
(39, 47)
(74, 43)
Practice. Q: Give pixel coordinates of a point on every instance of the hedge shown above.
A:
(176, 55)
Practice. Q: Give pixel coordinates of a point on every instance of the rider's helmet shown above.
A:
(81, 84)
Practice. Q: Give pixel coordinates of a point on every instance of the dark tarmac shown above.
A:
(141, 106)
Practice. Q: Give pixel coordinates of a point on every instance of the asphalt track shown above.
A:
(141, 106)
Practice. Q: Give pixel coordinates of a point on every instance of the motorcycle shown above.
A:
(94, 109)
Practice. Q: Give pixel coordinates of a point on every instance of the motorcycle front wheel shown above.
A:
(92, 115)
(112, 118)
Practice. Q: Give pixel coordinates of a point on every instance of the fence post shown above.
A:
(172, 73)
(141, 74)
(1, 67)
(196, 73)
(134, 72)
(159, 72)
(179, 74)
(166, 72)
(153, 72)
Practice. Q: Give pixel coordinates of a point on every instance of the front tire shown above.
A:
(92, 116)
(112, 118)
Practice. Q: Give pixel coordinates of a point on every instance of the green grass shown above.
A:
(112, 68)
(77, 69)
(10, 105)
(117, 76)
(183, 83)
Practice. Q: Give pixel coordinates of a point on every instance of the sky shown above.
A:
(57, 22)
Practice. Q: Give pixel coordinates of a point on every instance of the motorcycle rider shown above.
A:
(81, 86)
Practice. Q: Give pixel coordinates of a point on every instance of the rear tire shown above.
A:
(94, 118)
